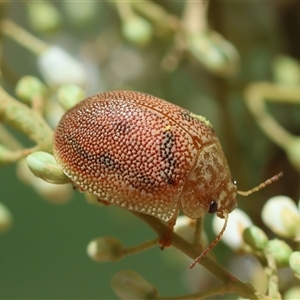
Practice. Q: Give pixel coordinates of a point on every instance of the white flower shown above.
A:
(282, 216)
(233, 236)
(59, 67)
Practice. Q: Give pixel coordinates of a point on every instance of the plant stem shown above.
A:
(125, 10)
(211, 265)
(256, 95)
(195, 17)
(21, 117)
(198, 232)
(23, 37)
(271, 272)
(141, 247)
(157, 15)
(8, 156)
(218, 290)
(7, 139)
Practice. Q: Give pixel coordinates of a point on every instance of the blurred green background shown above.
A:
(44, 253)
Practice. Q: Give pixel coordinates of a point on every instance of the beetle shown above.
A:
(147, 155)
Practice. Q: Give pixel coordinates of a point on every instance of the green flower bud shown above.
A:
(137, 30)
(43, 165)
(105, 249)
(255, 237)
(214, 52)
(293, 153)
(295, 263)
(6, 218)
(282, 216)
(130, 285)
(43, 16)
(292, 293)
(286, 70)
(81, 14)
(28, 88)
(281, 252)
(69, 95)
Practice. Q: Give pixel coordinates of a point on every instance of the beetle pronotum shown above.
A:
(147, 155)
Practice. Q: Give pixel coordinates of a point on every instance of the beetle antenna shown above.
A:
(213, 244)
(260, 186)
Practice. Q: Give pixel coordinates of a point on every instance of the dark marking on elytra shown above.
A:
(122, 127)
(134, 178)
(167, 149)
(107, 161)
(77, 148)
(186, 115)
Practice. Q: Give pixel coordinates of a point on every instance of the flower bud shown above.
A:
(233, 236)
(43, 16)
(281, 252)
(292, 294)
(58, 67)
(286, 70)
(105, 249)
(44, 165)
(295, 263)
(6, 218)
(255, 237)
(54, 193)
(293, 153)
(28, 88)
(281, 215)
(82, 14)
(137, 30)
(130, 285)
(214, 52)
(69, 95)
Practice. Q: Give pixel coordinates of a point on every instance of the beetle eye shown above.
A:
(233, 181)
(213, 207)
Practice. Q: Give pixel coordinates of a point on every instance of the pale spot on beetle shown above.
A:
(202, 119)
(167, 128)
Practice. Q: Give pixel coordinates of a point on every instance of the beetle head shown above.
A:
(209, 187)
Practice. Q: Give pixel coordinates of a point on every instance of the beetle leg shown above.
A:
(106, 203)
(166, 239)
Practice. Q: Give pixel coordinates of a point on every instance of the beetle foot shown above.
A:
(166, 240)
(106, 203)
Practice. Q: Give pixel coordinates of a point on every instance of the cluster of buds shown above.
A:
(281, 215)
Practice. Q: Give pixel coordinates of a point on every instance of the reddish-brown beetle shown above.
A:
(147, 155)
